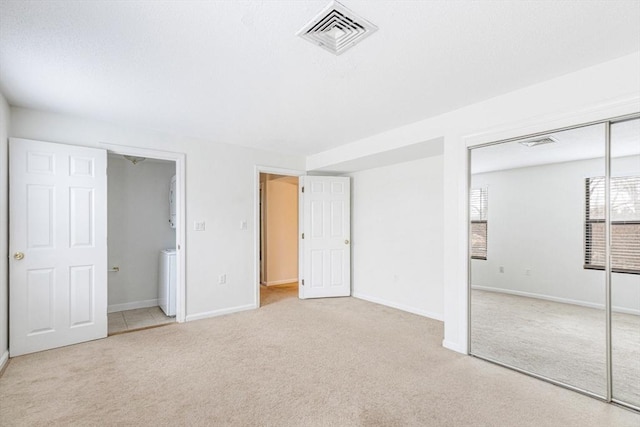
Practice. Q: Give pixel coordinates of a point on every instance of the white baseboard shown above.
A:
(280, 282)
(615, 309)
(454, 347)
(402, 307)
(132, 305)
(4, 358)
(215, 313)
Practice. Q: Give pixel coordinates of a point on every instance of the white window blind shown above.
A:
(479, 203)
(625, 224)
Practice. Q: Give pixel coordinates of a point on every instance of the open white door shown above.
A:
(57, 245)
(325, 217)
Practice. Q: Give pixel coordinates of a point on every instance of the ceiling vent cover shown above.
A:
(336, 29)
(539, 141)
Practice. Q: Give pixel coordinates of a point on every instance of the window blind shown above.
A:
(479, 203)
(625, 224)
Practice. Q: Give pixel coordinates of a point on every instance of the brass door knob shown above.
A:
(346, 242)
(18, 255)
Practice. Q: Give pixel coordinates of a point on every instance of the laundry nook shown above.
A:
(142, 241)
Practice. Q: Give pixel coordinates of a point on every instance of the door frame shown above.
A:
(181, 248)
(258, 169)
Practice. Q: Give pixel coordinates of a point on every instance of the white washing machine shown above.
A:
(167, 282)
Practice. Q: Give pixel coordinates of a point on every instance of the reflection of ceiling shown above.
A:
(576, 144)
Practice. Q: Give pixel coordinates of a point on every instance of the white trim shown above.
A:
(222, 311)
(555, 299)
(454, 346)
(300, 241)
(280, 282)
(4, 359)
(402, 307)
(258, 169)
(181, 210)
(113, 308)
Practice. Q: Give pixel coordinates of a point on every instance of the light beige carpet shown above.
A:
(326, 362)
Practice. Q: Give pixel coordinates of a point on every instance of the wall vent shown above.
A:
(538, 141)
(336, 29)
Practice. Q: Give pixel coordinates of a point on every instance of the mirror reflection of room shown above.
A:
(625, 259)
(537, 247)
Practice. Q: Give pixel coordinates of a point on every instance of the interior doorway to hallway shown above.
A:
(278, 232)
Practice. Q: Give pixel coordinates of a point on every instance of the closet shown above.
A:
(554, 253)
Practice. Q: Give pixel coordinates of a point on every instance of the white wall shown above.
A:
(4, 236)
(536, 223)
(281, 230)
(220, 191)
(599, 92)
(397, 237)
(138, 229)
(606, 90)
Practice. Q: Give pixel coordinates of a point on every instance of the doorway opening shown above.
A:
(141, 242)
(278, 237)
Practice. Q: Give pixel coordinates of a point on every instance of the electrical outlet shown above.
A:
(501, 269)
(243, 225)
(198, 226)
(222, 279)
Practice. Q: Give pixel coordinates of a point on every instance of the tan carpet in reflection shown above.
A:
(323, 362)
(564, 342)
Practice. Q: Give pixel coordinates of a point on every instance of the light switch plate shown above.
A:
(198, 226)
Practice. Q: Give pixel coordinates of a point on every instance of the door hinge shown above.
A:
(303, 235)
(303, 188)
(302, 282)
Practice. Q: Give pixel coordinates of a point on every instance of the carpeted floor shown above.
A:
(325, 362)
(564, 342)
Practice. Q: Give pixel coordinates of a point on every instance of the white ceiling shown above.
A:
(234, 71)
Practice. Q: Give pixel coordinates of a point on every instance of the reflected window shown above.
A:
(625, 224)
(479, 204)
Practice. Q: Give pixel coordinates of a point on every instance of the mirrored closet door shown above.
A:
(625, 261)
(539, 284)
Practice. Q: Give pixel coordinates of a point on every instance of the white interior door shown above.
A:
(325, 216)
(58, 245)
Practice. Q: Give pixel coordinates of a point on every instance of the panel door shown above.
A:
(58, 245)
(326, 246)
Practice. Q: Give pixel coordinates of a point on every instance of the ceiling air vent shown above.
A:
(538, 141)
(336, 29)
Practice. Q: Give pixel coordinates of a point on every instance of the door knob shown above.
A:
(18, 255)
(346, 242)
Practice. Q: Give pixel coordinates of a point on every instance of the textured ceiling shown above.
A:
(234, 71)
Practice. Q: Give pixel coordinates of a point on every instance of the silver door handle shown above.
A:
(346, 242)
